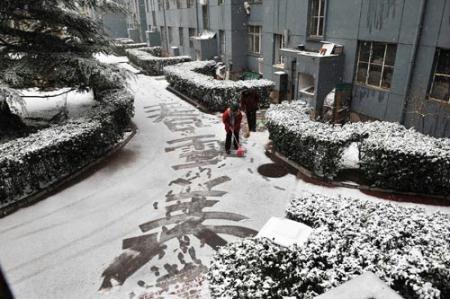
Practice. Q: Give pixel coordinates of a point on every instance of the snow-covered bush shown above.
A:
(195, 80)
(150, 61)
(121, 45)
(392, 157)
(407, 248)
(315, 145)
(31, 163)
(406, 160)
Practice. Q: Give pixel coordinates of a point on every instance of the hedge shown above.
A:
(29, 164)
(122, 44)
(150, 61)
(408, 248)
(391, 156)
(195, 79)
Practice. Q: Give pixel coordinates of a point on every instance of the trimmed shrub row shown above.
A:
(195, 79)
(150, 61)
(391, 156)
(122, 44)
(407, 248)
(29, 164)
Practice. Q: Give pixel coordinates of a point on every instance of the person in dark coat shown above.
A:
(232, 118)
(249, 104)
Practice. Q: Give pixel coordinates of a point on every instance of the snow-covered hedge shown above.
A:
(392, 157)
(407, 248)
(406, 160)
(195, 80)
(121, 45)
(150, 61)
(29, 164)
(315, 145)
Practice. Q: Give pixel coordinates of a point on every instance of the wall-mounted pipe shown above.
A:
(412, 62)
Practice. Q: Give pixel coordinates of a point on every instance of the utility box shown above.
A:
(133, 33)
(316, 74)
(153, 38)
(205, 46)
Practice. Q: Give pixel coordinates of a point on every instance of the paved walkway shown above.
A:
(146, 223)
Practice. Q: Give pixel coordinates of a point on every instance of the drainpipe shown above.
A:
(165, 26)
(413, 59)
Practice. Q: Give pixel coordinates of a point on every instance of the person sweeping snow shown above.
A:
(232, 118)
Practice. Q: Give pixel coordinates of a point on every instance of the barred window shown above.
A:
(181, 36)
(440, 84)
(254, 39)
(170, 31)
(376, 64)
(317, 18)
(192, 33)
(279, 44)
(222, 42)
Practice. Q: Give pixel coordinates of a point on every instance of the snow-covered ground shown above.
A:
(147, 220)
(41, 106)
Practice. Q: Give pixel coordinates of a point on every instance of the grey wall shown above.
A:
(115, 25)
(390, 21)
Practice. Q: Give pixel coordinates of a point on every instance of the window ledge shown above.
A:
(278, 66)
(439, 101)
(254, 54)
(371, 87)
(315, 38)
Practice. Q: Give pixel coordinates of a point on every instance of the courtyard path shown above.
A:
(148, 220)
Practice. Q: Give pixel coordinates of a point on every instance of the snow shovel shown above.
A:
(240, 152)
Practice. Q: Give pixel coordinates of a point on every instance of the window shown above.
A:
(219, 2)
(254, 39)
(317, 18)
(170, 30)
(440, 84)
(279, 43)
(376, 64)
(167, 4)
(178, 4)
(160, 4)
(163, 36)
(222, 42)
(181, 36)
(205, 14)
(192, 33)
(190, 3)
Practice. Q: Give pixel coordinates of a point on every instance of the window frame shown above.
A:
(170, 35)
(181, 36)
(278, 58)
(384, 66)
(434, 74)
(222, 42)
(321, 14)
(194, 31)
(252, 35)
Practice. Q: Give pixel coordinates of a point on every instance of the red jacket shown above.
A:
(227, 121)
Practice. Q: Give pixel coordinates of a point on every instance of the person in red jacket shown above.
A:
(249, 104)
(232, 118)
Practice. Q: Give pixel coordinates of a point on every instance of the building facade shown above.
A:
(394, 54)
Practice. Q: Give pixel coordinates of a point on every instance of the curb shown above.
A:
(64, 180)
(191, 101)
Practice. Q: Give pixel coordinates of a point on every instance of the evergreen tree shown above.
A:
(49, 44)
